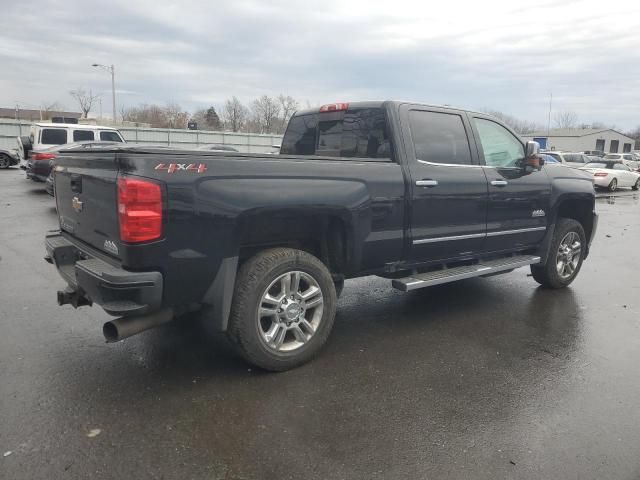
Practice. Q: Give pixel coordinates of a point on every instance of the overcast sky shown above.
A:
(476, 54)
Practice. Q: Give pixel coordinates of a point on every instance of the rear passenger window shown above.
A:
(300, 137)
(356, 133)
(53, 136)
(500, 147)
(110, 137)
(82, 135)
(439, 137)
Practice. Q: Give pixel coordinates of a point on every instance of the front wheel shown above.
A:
(566, 254)
(637, 185)
(283, 308)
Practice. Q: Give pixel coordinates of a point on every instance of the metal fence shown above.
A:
(243, 142)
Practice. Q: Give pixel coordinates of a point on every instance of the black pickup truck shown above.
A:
(261, 244)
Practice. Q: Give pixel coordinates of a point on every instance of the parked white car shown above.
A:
(627, 158)
(612, 174)
(569, 159)
(46, 135)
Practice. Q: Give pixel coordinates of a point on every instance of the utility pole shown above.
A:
(549, 119)
(112, 70)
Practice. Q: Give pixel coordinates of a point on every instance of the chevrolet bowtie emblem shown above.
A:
(76, 204)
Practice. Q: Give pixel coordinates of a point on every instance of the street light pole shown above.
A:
(113, 91)
(112, 70)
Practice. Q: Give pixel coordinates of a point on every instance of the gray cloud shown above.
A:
(483, 54)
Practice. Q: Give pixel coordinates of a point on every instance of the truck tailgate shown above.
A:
(86, 198)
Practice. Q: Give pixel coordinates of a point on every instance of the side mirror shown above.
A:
(533, 148)
(533, 161)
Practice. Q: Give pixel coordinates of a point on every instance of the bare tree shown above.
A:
(85, 100)
(154, 115)
(266, 112)
(566, 119)
(523, 127)
(51, 107)
(235, 114)
(169, 116)
(176, 116)
(288, 106)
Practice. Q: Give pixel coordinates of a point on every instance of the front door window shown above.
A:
(500, 147)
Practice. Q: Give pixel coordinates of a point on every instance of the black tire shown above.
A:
(548, 275)
(613, 186)
(637, 185)
(253, 279)
(5, 161)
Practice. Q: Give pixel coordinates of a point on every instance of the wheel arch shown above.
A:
(327, 234)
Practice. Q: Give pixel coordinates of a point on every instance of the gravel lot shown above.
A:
(485, 378)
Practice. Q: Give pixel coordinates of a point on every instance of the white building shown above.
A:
(583, 139)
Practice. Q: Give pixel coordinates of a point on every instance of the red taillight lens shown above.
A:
(334, 107)
(600, 174)
(42, 156)
(139, 210)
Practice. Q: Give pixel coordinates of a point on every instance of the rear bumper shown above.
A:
(119, 292)
(38, 173)
(602, 182)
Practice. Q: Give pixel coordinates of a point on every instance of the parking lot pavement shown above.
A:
(485, 378)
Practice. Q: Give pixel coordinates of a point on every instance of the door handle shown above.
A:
(499, 183)
(427, 183)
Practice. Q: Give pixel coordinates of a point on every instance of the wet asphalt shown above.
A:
(485, 378)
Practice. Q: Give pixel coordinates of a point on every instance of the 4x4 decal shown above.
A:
(177, 167)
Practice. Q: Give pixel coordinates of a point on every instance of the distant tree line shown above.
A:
(263, 115)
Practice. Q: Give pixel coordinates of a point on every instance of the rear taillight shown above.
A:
(42, 156)
(139, 210)
(600, 174)
(334, 107)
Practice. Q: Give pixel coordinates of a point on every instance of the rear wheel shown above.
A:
(566, 254)
(637, 185)
(283, 308)
(5, 161)
(613, 186)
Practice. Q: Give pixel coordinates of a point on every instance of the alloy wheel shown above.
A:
(568, 255)
(290, 311)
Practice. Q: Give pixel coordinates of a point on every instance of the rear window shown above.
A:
(53, 136)
(355, 133)
(110, 137)
(82, 135)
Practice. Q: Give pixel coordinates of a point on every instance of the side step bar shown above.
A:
(485, 268)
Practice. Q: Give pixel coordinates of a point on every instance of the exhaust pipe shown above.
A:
(124, 327)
